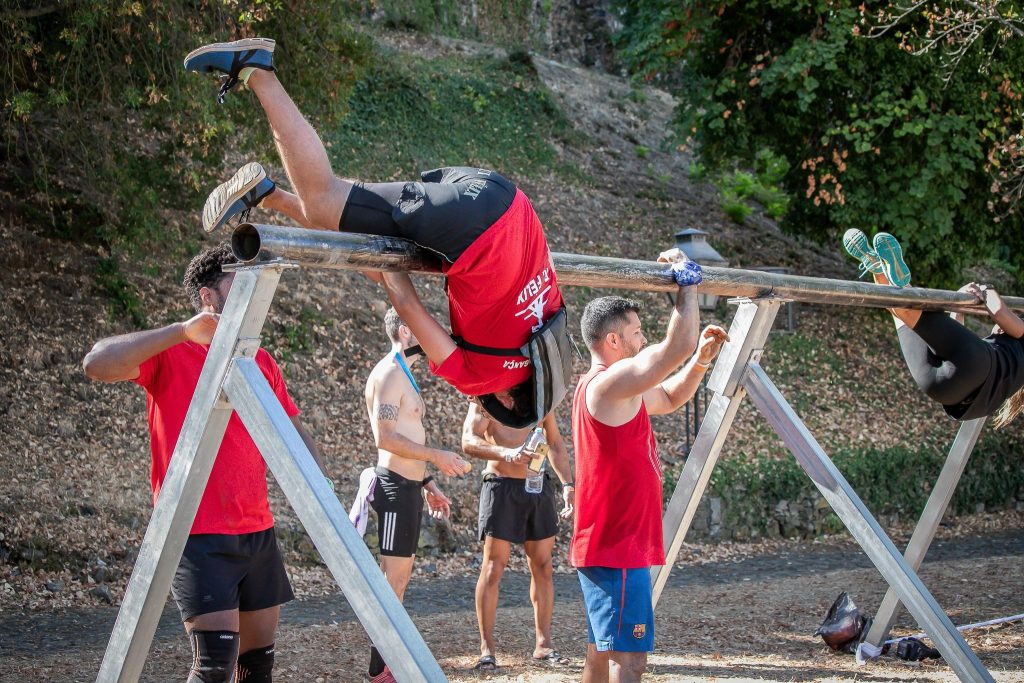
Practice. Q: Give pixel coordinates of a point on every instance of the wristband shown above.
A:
(686, 273)
(704, 365)
(427, 479)
(568, 484)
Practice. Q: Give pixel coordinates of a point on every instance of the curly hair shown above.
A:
(205, 270)
(391, 323)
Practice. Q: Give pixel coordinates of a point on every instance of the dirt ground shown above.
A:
(735, 612)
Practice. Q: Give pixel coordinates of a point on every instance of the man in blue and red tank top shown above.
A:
(482, 228)
(617, 536)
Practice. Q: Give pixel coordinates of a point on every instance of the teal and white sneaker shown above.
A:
(236, 60)
(856, 244)
(891, 255)
(237, 197)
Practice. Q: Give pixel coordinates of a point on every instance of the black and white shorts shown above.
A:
(398, 503)
(509, 513)
(221, 572)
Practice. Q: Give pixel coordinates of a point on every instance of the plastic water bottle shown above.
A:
(537, 446)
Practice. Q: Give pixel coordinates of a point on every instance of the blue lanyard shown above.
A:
(405, 368)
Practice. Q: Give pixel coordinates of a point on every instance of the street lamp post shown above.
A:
(694, 244)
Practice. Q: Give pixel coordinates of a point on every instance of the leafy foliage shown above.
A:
(875, 136)
(106, 135)
(104, 125)
(499, 21)
(893, 482)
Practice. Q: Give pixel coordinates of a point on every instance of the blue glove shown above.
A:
(686, 273)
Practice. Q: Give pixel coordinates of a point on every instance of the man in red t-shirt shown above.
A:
(617, 536)
(231, 581)
(483, 229)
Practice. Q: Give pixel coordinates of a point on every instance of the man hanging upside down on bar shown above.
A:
(501, 284)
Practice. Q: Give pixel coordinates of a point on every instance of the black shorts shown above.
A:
(509, 513)
(444, 213)
(220, 572)
(398, 503)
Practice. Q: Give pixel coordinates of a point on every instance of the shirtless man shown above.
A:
(401, 485)
(509, 514)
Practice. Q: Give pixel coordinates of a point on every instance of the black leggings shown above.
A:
(445, 213)
(947, 360)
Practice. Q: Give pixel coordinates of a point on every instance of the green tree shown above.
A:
(885, 124)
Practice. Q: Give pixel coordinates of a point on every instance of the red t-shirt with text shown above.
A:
(500, 290)
(235, 500)
(618, 489)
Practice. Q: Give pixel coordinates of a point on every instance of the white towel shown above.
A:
(360, 512)
(866, 652)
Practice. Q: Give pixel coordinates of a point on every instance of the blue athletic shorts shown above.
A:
(619, 606)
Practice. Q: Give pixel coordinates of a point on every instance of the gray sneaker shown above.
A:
(856, 244)
(237, 197)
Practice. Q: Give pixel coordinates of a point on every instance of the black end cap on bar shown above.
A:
(245, 242)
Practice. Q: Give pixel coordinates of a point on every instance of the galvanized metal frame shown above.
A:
(942, 493)
(323, 249)
(737, 374)
(231, 380)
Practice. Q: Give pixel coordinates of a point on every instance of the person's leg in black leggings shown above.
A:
(948, 361)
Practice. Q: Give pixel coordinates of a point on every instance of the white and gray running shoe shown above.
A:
(237, 197)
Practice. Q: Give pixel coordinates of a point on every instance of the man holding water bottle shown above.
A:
(517, 505)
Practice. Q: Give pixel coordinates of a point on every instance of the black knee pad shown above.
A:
(256, 666)
(214, 656)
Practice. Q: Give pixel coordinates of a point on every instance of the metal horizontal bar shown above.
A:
(349, 251)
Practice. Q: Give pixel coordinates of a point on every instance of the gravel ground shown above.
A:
(744, 612)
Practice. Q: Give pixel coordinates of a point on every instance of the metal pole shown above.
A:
(326, 249)
(183, 486)
(341, 546)
(924, 532)
(747, 334)
(852, 511)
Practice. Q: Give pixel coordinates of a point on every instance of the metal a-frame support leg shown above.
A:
(750, 328)
(183, 486)
(372, 598)
(864, 528)
(230, 369)
(924, 532)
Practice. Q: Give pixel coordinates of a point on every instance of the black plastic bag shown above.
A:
(844, 626)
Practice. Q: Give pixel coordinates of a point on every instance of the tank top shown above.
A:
(618, 489)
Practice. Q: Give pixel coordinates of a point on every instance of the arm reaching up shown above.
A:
(633, 376)
(437, 344)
